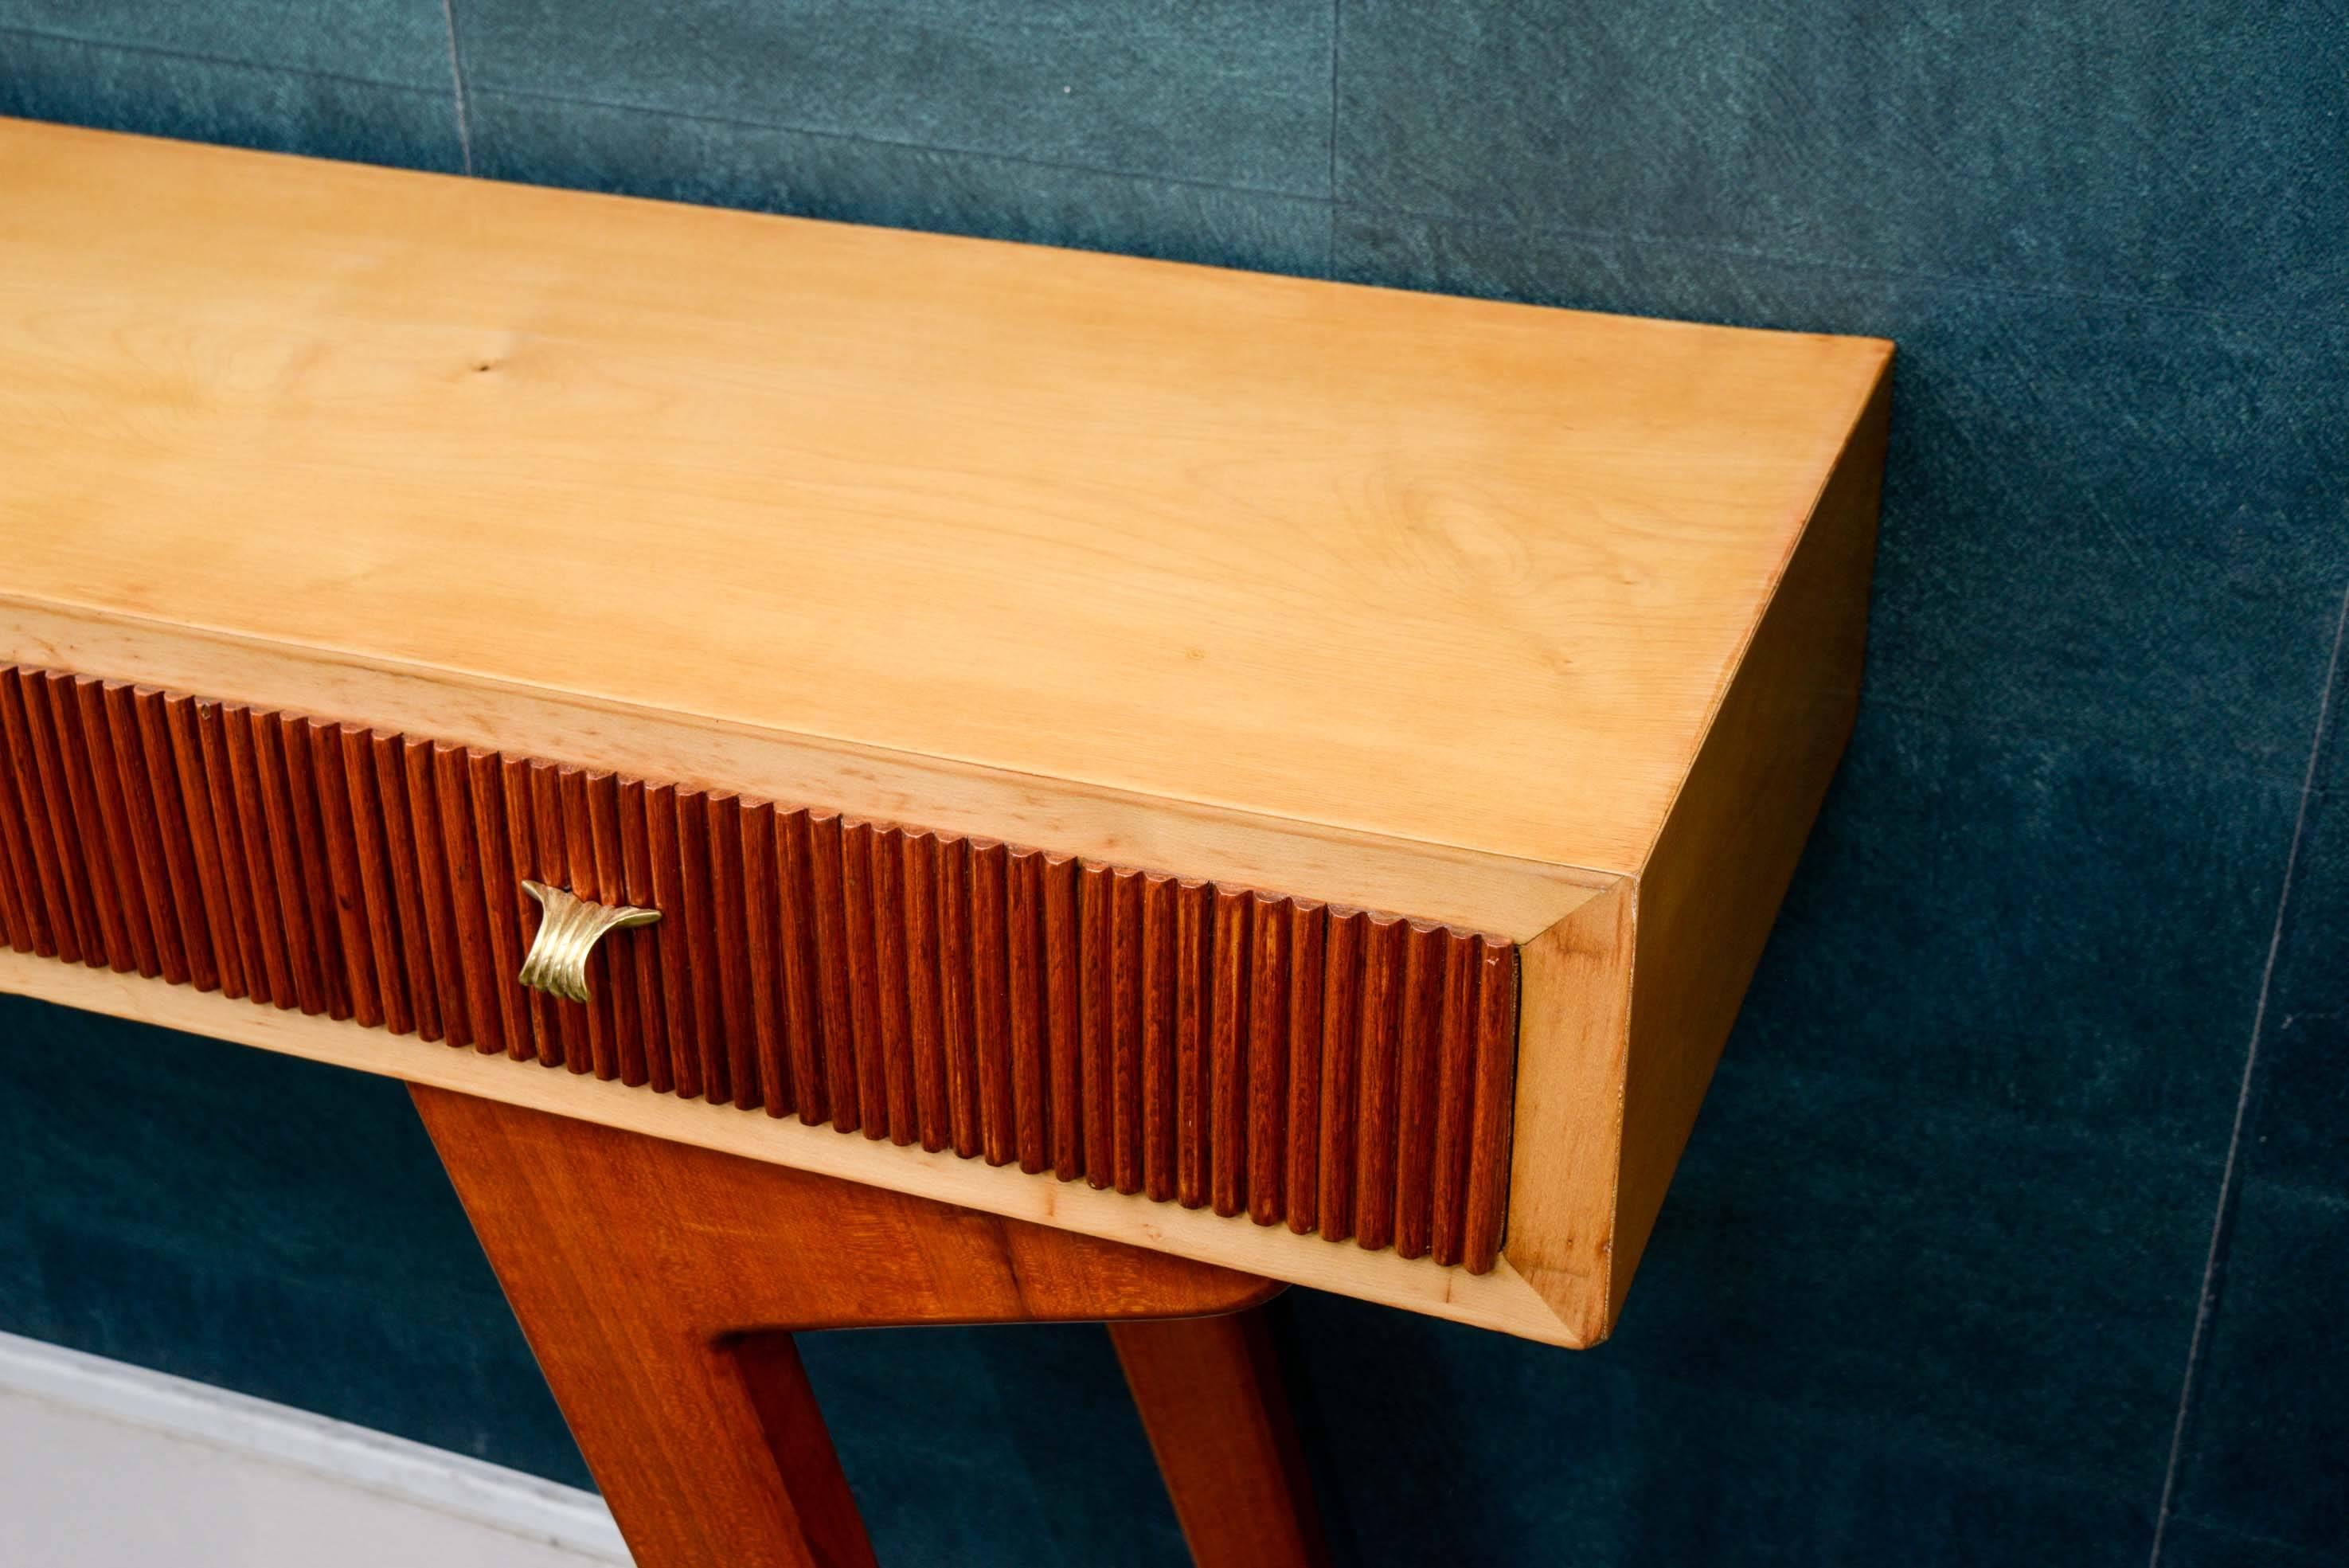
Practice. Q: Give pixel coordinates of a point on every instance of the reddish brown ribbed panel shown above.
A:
(1332, 1070)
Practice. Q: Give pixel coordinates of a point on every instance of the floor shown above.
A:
(109, 1465)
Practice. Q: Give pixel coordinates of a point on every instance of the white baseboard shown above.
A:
(104, 1465)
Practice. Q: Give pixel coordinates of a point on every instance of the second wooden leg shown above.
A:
(1212, 1399)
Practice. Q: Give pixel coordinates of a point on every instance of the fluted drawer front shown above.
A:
(1334, 1070)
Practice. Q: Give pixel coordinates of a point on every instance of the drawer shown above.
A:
(1340, 1071)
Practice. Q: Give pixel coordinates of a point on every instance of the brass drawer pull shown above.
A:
(569, 932)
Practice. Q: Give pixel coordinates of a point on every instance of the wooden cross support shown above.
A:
(660, 1286)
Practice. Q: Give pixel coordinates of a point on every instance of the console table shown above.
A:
(871, 777)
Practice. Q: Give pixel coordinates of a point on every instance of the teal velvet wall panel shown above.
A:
(2015, 1225)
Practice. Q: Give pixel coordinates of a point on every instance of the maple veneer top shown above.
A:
(1452, 571)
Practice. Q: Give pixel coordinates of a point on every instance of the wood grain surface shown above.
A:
(1424, 568)
(1052, 1023)
(1628, 1000)
(1214, 1404)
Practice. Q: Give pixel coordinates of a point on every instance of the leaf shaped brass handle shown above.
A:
(568, 933)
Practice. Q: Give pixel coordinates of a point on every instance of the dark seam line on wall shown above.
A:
(1330, 254)
(1624, 237)
(2027, 291)
(2222, 1222)
(264, 67)
(457, 80)
(948, 149)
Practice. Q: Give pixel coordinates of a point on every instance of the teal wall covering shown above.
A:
(2016, 1229)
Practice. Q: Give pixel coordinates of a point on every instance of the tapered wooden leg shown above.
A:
(1211, 1397)
(800, 1444)
(658, 1283)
